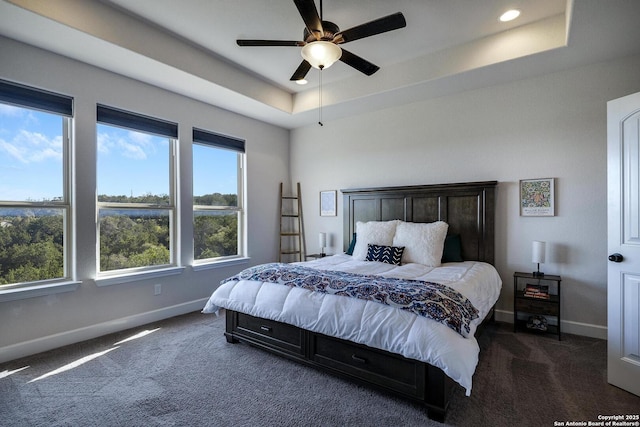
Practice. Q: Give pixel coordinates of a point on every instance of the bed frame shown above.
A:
(469, 209)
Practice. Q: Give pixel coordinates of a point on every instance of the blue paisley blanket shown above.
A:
(431, 300)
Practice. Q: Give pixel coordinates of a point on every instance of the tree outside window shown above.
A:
(136, 191)
(217, 196)
(34, 199)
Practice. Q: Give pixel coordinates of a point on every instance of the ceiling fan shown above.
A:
(320, 47)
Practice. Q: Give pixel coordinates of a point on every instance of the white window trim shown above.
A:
(214, 263)
(138, 273)
(58, 284)
(34, 291)
(201, 264)
(129, 277)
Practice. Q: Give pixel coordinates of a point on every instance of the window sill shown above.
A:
(135, 277)
(220, 264)
(37, 291)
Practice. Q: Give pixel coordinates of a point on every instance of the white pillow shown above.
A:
(375, 233)
(423, 242)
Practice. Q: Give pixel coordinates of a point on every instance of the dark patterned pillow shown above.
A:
(387, 254)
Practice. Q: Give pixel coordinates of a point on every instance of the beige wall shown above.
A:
(553, 126)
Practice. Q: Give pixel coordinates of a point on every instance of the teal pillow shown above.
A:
(351, 245)
(452, 249)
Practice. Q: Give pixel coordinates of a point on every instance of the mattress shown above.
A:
(371, 323)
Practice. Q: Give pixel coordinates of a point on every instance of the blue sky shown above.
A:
(214, 170)
(30, 154)
(129, 163)
(134, 163)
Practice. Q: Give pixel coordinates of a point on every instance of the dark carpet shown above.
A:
(182, 372)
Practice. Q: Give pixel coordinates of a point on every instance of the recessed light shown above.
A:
(510, 15)
(302, 82)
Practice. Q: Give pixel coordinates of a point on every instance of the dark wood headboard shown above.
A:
(468, 208)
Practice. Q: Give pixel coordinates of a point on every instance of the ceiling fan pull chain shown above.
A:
(320, 99)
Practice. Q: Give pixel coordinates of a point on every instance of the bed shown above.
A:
(406, 348)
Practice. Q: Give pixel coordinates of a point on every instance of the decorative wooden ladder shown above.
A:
(291, 226)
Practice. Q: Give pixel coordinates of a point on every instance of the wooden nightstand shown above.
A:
(539, 297)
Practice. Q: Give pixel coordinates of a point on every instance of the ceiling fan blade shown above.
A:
(301, 72)
(309, 14)
(377, 26)
(358, 63)
(270, 43)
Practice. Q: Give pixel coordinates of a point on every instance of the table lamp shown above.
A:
(538, 251)
(322, 242)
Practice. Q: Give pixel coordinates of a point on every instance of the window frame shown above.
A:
(223, 142)
(32, 98)
(115, 117)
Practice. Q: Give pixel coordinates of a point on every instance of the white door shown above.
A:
(623, 153)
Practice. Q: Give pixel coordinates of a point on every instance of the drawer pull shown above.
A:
(358, 359)
(265, 328)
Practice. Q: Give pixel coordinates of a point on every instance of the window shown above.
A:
(136, 191)
(34, 196)
(217, 196)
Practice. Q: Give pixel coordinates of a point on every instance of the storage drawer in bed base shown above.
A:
(412, 379)
(384, 369)
(278, 337)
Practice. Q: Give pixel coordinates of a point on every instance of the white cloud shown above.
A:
(133, 145)
(11, 111)
(140, 138)
(32, 147)
(105, 143)
(131, 151)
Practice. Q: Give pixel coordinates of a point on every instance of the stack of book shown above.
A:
(536, 291)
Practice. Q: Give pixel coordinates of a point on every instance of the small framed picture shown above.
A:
(328, 202)
(537, 197)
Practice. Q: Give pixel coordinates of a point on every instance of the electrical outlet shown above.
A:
(157, 290)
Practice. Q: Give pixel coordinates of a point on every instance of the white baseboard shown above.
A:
(568, 326)
(27, 348)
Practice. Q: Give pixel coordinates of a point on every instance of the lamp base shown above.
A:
(538, 274)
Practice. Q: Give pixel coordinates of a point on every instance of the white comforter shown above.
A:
(371, 323)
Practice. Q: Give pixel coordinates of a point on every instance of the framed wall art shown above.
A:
(328, 202)
(537, 197)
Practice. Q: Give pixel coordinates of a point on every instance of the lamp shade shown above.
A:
(321, 54)
(322, 240)
(538, 251)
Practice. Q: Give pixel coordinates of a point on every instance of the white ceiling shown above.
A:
(448, 46)
(216, 24)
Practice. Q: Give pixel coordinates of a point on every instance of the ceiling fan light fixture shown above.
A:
(321, 54)
(301, 82)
